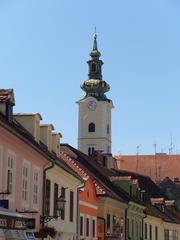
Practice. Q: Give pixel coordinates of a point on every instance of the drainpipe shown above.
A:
(78, 210)
(43, 194)
(104, 225)
(125, 224)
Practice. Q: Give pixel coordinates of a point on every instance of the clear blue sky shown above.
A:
(44, 46)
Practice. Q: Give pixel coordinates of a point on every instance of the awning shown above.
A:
(8, 212)
(12, 220)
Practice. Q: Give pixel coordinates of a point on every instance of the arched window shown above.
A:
(108, 129)
(91, 150)
(91, 127)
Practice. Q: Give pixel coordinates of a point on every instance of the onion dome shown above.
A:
(95, 86)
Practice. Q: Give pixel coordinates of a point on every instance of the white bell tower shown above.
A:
(94, 130)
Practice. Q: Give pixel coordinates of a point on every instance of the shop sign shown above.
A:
(3, 223)
(19, 224)
(12, 223)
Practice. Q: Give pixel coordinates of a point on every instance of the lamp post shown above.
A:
(46, 218)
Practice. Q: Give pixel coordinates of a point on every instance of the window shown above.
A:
(87, 227)
(137, 231)
(91, 127)
(71, 206)
(150, 232)
(25, 183)
(81, 226)
(93, 67)
(55, 199)
(145, 230)
(156, 233)
(108, 129)
(91, 151)
(166, 234)
(47, 197)
(104, 161)
(132, 228)
(93, 228)
(128, 228)
(130, 190)
(108, 222)
(10, 169)
(174, 235)
(63, 193)
(35, 187)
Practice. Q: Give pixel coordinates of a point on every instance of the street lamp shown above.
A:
(60, 208)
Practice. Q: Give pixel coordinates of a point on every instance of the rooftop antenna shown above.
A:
(137, 156)
(171, 145)
(155, 158)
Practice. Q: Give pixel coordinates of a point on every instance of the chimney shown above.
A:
(31, 122)
(7, 101)
(46, 135)
(56, 143)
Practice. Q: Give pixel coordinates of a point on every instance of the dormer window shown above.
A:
(93, 67)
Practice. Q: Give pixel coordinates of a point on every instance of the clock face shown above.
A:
(91, 105)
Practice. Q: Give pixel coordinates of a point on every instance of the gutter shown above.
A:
(43, 194)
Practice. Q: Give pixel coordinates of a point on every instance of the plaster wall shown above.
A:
(10, 145)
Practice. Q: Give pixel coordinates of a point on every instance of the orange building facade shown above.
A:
(88, 211)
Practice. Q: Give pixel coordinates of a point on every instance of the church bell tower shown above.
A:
(94, 130)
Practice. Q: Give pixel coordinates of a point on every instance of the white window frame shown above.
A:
(95, 219)
(24, 178)
(35, 186)
(81, 215)
(11, 155)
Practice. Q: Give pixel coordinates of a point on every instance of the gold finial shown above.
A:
(95, 34)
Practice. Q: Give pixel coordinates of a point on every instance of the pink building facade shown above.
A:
(21, 174)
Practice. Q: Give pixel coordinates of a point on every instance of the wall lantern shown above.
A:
(60, 208)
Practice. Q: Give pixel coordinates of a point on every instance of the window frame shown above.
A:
(25, 182)
(81, 227)
(71, 206)
(13, 169)
(35, 188)
(94, 228)
(88, 226)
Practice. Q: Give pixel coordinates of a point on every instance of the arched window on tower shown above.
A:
(91, 127)
(108, 129)
(91, 150)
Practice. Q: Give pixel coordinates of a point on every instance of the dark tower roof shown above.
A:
(95, 86)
